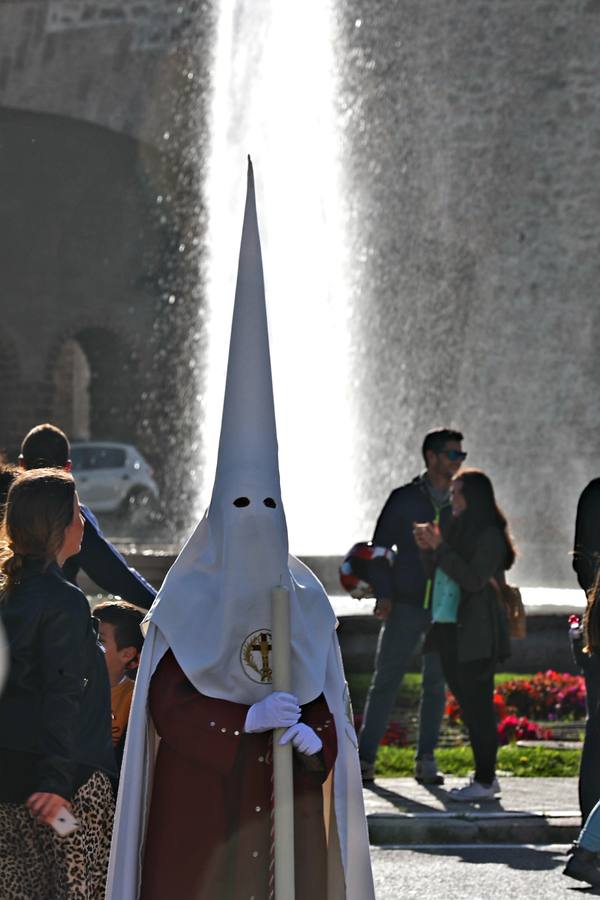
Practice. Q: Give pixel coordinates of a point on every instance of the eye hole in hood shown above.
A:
(268, 501)
(241, 501)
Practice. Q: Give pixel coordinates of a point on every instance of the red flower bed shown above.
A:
(452, 709)
(548, 695)
(513, 728)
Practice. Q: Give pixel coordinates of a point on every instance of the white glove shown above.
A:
(277, 710)
(304, 739)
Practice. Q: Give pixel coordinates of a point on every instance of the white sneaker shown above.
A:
(474, 792)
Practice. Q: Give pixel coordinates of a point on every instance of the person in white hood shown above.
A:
(194, 818)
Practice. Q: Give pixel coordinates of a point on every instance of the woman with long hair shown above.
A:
(55, 738)
(470, 630)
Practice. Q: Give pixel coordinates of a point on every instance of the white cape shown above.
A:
(350, 876)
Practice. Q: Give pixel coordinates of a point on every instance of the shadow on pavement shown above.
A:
(405, 803)
(402, 802)
(544, 859)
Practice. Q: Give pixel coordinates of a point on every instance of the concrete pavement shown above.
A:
(530, 811)
(475, 872)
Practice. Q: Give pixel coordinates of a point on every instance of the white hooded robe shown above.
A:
(217, 594)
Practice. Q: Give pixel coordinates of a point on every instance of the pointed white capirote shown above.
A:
(214, 608)
(248, 442)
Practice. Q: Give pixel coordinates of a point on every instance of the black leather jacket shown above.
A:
(405, 580)
(55, 707)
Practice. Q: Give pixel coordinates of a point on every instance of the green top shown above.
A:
(446, 597)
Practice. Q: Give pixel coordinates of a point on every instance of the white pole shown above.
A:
(283, 775)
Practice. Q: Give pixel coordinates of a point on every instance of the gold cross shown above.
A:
(263, 646)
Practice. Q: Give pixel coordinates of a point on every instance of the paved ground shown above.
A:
(530, 811)
(474, 873)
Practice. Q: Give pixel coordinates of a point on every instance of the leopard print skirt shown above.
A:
(37, 864)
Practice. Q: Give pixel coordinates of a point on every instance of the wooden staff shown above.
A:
(283, 776)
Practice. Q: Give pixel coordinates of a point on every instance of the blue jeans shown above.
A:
(589, 837)
(399, 638)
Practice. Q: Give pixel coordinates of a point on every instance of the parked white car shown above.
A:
(113, 478)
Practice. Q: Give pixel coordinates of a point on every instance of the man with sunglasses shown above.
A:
(404, 604)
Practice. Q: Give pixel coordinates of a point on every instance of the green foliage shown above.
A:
(407, 698)
(501, 677)
(533, 762)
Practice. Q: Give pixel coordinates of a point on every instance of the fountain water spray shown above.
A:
(268, 102)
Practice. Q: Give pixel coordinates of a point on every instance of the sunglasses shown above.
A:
(454, 455)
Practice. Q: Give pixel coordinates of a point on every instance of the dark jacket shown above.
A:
(589, 666)
(586, 549)
(55, 707)
(104, 564)
(405, 580)
(482, 629)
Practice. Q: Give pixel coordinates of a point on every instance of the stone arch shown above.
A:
(113, 383)
(71, 391)
(94, 374)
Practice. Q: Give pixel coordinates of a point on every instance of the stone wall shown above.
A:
(103, 111)
(90, 253)
(154, 25)
(80, 257)
(112, 63)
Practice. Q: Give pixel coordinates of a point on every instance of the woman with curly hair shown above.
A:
(55, 738)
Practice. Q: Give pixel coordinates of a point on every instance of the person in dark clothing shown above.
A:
(586, 546)
(55, 742)
(585, 646)
(403, 603)
(584, 862)
(103, 563)
(586, 556)
(47, 446)
(470, 629)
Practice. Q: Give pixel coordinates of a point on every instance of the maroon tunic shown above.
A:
(209, 827)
